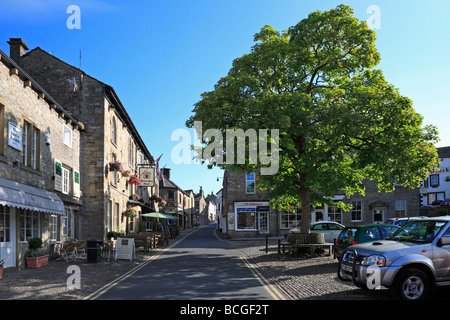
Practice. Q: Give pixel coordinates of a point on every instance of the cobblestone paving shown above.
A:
(305, 278)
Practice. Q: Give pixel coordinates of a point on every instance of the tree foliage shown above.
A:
(339, 120)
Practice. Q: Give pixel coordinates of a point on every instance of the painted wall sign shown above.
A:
(14, 136)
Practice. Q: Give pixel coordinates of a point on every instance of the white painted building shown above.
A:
(436, 188)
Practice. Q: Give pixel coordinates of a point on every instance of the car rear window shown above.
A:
(348, 233)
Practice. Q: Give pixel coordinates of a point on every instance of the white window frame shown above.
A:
(248, 182)
(26, 127)
(65, 180)
(400, 205)
(434, 184)
(356, 211)
(67, 135)
(53, 227)
(23, 228)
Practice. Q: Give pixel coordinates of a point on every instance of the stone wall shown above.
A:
(89, 103)
(374, 200)
(21, 101)
(234, 191)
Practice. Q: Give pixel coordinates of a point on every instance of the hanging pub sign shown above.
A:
(14, 136)
(146, 175)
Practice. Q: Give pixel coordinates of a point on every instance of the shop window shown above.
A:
(290, 218)
(28, 225)
(246, 219)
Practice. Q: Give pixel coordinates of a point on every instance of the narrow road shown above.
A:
(199, 266)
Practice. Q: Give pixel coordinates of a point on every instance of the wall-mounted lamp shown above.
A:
(47, 140)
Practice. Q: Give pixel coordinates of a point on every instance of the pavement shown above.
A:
(299, 278)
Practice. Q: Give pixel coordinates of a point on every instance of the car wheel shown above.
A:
(412, 284)
(339, 273)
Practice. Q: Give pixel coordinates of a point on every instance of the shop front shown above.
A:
(25, 213)
(250, 219)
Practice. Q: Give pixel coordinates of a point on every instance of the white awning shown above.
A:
(19, 195)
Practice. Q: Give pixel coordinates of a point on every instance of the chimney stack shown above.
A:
(17, 48)
(166, 173)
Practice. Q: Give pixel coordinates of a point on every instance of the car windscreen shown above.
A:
(418, 231)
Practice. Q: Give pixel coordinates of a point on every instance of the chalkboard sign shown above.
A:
(125, 249)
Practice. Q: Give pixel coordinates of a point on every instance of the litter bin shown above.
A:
(93, 248)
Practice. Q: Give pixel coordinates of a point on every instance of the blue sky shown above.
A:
(161, 55)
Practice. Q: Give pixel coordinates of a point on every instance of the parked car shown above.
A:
(411, 262)
(402, 221)
(352, 235)
(330, 229)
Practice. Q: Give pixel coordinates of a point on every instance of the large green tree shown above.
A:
(339, 120)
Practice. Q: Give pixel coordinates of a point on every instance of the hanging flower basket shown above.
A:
(162, 203)
(135, 196)
(134, 179)
(130, 213)
(115, 166)
(126, 173)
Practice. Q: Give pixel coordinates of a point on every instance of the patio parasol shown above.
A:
(158, 215)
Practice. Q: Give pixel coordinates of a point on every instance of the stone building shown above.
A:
(201, 208)
(378, 207)
(246, 211)
(189, 207)
(110, 136)
(179, 202)
(40, 171)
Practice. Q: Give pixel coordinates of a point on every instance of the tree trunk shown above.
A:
(305, 199)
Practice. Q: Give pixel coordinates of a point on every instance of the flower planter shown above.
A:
(36, 262)
(134, 180)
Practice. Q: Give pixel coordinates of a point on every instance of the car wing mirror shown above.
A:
(443, 241)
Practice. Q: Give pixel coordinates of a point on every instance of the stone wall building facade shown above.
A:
(40, 172)
(110, 136)
(246, 211)
(378, 207)
(180, 203)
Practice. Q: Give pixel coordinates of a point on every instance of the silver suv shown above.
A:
(410, 262)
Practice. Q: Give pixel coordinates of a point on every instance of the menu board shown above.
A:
(125, 249)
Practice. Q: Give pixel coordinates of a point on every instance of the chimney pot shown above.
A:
(17, 48)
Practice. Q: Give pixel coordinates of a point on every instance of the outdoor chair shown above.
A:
(80, 248)
(69, 249)
(108, 247)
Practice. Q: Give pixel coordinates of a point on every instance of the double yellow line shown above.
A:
(270, 288)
